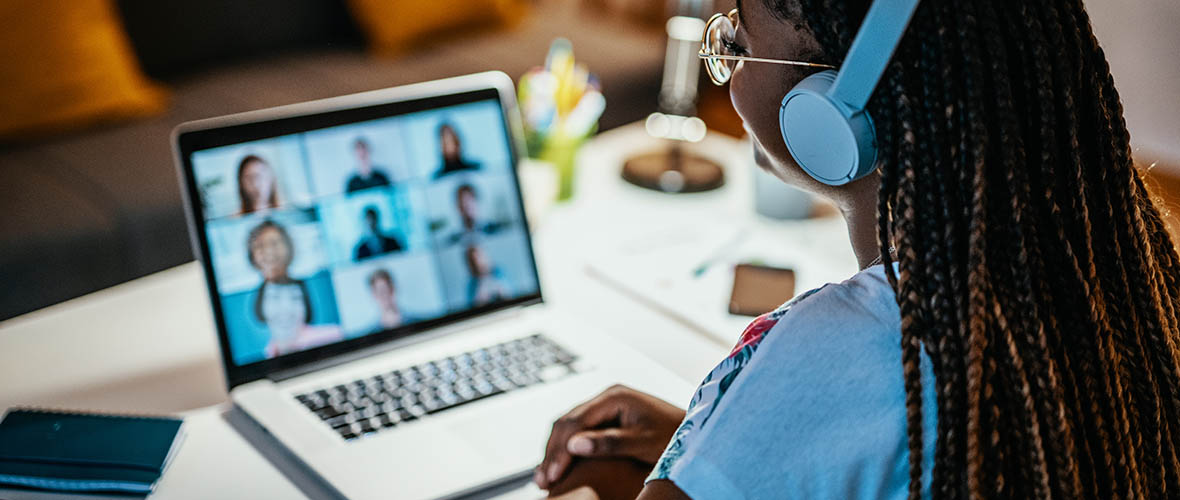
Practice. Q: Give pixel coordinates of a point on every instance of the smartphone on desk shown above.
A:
(759, 289)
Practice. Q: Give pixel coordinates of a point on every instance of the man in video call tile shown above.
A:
(487, 282)
(452, 152)
(384, 294)
(366, 175)
(467, 203)
(373, 242)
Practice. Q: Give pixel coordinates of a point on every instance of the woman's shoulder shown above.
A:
(868, 292)
(842, 330)
(863, 302)
(819, 377)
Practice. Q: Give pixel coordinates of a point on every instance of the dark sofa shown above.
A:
(90, 209)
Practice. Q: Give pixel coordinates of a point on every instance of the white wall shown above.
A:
(1142, 42)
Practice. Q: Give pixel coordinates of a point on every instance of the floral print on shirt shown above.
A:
(717, 382)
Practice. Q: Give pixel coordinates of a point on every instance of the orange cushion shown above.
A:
(394, 26)
(64, 65)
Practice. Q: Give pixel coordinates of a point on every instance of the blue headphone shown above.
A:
(823, 119)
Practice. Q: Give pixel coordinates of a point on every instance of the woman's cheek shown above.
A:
(738, 95)
(756, 98)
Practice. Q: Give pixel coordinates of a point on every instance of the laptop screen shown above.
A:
(346, 230)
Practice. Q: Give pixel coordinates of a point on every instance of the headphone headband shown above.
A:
(871, 50)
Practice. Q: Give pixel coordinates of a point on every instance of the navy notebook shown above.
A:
(85, 452)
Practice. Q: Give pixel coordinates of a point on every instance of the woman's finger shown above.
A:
(603, 408)
(616, 442)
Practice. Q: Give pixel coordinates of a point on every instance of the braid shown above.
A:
(910, 300)
(941, 252)
(1033, 266)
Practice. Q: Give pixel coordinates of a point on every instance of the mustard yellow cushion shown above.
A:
(394, 26)
(64, 65)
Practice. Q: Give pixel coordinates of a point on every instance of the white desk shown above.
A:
(150, 345)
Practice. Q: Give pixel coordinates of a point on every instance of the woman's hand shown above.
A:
(620, 422)
(601, 479)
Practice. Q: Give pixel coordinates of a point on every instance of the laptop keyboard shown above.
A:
(386, 400)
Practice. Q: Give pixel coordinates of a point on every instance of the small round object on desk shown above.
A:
(673, 171)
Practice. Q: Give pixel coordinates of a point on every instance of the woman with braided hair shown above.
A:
(1013, 332)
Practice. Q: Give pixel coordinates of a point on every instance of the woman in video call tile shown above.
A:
(384, 293)
(283, 303)
(257, 185)
(367, 175)
(452, 152)
(467, 203)
(373, 242)
(487, 284)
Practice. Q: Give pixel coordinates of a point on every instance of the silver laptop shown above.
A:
(372, 277)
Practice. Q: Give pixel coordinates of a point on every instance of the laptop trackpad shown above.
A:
(516, 432)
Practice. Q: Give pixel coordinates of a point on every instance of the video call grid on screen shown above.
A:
(337, 233)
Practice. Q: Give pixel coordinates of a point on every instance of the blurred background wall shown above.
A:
(1142, 42)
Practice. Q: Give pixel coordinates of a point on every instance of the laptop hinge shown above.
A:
(442, 331)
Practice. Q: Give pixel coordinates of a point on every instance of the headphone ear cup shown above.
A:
(832, 142)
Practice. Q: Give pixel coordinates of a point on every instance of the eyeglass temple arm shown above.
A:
(705, 55)
(873, 47)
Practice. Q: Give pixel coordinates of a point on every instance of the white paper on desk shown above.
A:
(656, 266)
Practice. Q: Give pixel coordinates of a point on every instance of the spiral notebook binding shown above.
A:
(88, 413)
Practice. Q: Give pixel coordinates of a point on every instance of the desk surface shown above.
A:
(150, 345)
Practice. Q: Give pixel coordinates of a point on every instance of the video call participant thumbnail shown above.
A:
(367, 175)
(257, 185)
(384, 293)
(373, 242)
(451, 148)
(468, 205)
(283, 303)
(486, 283)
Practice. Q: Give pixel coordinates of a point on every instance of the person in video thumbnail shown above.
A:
(486, 285)
(384, 293)
(452, 152)
(283, 303)
(257, 185)
(373, 242)
(367, 175)
(467, 203)
(270, 251)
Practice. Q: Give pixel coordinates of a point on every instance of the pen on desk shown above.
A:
(719, 253)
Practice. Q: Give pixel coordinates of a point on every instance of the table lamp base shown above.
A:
(673, 171)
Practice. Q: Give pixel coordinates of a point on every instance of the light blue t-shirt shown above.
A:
(810, 404)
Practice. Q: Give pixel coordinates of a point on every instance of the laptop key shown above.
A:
(448, 398)
(519, 379)
(365, 426)
(502, 384)
(431, 405)
(329, 413)
(553, 372)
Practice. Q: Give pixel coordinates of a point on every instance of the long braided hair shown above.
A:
(1034, 267)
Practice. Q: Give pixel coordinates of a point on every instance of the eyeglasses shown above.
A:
(719, 50)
